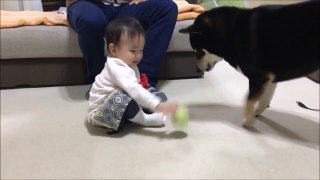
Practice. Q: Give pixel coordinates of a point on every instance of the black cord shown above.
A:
(304, 106)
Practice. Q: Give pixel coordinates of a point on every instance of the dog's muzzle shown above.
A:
(206, 61)
(209, 67)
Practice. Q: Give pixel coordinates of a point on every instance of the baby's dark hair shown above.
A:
(128, 26)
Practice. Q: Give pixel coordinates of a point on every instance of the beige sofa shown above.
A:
(50, 56)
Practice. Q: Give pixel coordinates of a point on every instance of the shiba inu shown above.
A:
(269, 44)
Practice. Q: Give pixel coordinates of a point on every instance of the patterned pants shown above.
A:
(118, 108)
(110, 113)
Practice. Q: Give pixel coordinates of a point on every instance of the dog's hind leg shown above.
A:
(258, 84)
(266, 98)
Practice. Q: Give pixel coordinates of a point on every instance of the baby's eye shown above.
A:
(133, 51)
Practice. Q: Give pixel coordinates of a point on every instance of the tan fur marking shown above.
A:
(250, 105)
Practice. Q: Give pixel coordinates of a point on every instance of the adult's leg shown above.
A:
(159, 18)
(88, 21)
(157, 93)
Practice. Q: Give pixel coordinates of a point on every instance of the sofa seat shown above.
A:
(61, 41)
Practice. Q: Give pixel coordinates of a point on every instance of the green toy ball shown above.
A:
(181, 117)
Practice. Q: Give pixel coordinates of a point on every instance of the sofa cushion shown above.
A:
(61, 41)
(38, 42)
(179, 41)
(21, 5)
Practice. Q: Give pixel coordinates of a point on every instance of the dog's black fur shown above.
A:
(270, 43)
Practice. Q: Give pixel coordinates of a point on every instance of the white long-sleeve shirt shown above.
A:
(117, 75)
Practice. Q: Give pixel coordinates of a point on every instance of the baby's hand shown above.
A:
(167, 107)
(136, 1)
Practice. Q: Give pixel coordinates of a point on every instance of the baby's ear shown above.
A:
(112, 48)
(190, 30)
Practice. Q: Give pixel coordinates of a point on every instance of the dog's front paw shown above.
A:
(249, 121)
(247, 124)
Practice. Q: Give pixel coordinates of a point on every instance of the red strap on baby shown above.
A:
(144, 80)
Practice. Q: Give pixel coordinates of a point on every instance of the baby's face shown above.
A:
(130, 50)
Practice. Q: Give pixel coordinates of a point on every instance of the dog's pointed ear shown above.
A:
(189, 30)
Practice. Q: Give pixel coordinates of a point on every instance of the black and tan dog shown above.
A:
(269, 44)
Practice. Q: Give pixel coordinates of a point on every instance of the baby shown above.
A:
(117, 96)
